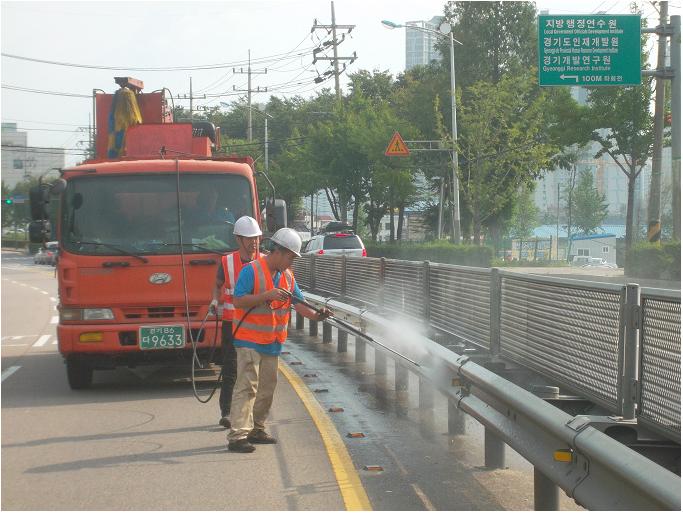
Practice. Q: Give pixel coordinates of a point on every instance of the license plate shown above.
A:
(161, 337)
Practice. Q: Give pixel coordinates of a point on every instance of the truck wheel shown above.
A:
(79, 374)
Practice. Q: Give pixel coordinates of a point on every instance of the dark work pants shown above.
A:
(229, 369)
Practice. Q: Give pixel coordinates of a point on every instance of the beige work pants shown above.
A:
(253, 393)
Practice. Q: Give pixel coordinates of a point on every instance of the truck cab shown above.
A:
(141, 236)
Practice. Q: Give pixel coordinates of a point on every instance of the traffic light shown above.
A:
(8, 201)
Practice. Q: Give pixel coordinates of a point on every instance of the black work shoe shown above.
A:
(258, 436)
(225, 422)
(241, 445)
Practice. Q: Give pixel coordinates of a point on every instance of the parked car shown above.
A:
(47, 255)
(586, 261)
(337, 243)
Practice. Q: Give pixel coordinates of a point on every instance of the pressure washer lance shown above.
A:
(345, 326)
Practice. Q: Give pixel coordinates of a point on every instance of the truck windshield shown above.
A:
(140, 213)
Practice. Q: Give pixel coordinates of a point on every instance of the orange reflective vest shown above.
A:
(266, 323)
(232, 265)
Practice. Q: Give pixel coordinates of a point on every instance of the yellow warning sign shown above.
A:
(397, 148)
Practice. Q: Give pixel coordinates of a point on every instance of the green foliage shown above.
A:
(654, 261)
(588, 204)
(501, 144)
(498, 38)
(524, 215)
(437, 251)
(621, 122)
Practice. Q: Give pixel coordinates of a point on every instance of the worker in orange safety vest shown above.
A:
(262, 302)
(247, 233)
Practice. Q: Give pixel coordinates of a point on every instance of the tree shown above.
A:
(588, 204)
(623, 127)
(524, 215)
(498, 39)
(501, 144)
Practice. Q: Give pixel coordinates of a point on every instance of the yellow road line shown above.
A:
(348, 480)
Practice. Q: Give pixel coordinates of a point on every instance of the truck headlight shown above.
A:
(86, 314)
(98, 314)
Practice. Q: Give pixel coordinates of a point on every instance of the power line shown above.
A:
(262, 60)
(50, 129)
(42, 122)
(41, 91)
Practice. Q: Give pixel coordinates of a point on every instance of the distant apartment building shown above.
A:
(608, 179)
(19, 161)
(420, 49)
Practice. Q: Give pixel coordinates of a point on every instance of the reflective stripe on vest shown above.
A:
(264, 324)
(232, 265)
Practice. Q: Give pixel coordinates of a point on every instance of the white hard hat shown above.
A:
(247, 226)
(288, 238)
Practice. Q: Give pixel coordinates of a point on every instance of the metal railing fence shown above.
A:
(579, 334)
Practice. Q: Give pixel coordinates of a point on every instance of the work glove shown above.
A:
(213, 307)
(324, 313)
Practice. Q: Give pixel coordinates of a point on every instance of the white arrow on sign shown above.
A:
(575, 77)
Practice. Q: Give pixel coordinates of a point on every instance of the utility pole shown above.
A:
(676, 125)
(557, 230)
(654, 229)
(673, 73)
(191, 97)
(249, 90)
(335, 59)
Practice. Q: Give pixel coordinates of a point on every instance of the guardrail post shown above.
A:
(495, 302)
(327, 332)
(494, 450)
(382, 268)
(546, 493)
(456, 420)
(343, 275)
(426, 406)
(632, 322)
(360, 350)
(342, 341)
(426, 395)
(426, 291)
(401, 377)
(299, 321)
(312, 282)
(312, 328)
(380, 364)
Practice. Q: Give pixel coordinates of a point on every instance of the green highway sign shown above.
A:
(589, 50)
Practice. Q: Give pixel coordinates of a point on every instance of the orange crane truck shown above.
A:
(141, 229)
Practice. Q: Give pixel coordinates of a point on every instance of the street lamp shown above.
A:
(445, 31)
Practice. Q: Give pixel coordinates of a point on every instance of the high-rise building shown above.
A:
(608, 179)
(20, 161)
(420, 49)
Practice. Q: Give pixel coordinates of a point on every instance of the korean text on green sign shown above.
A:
(589, 50)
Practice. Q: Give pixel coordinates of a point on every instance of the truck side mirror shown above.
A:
(38, 199)
(39, 231)
(276, 215)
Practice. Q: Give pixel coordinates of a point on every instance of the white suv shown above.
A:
(338, 243)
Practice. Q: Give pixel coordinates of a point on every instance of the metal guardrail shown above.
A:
(590, 466)
(606, 342)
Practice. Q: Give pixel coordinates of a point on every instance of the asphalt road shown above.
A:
(138, 440)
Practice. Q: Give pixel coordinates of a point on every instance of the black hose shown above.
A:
(195, 357)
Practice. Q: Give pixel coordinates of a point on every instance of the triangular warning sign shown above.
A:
(397, 148)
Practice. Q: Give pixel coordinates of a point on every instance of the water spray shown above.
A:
(345, 326)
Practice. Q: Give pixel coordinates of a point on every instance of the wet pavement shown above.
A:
(412, 463)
